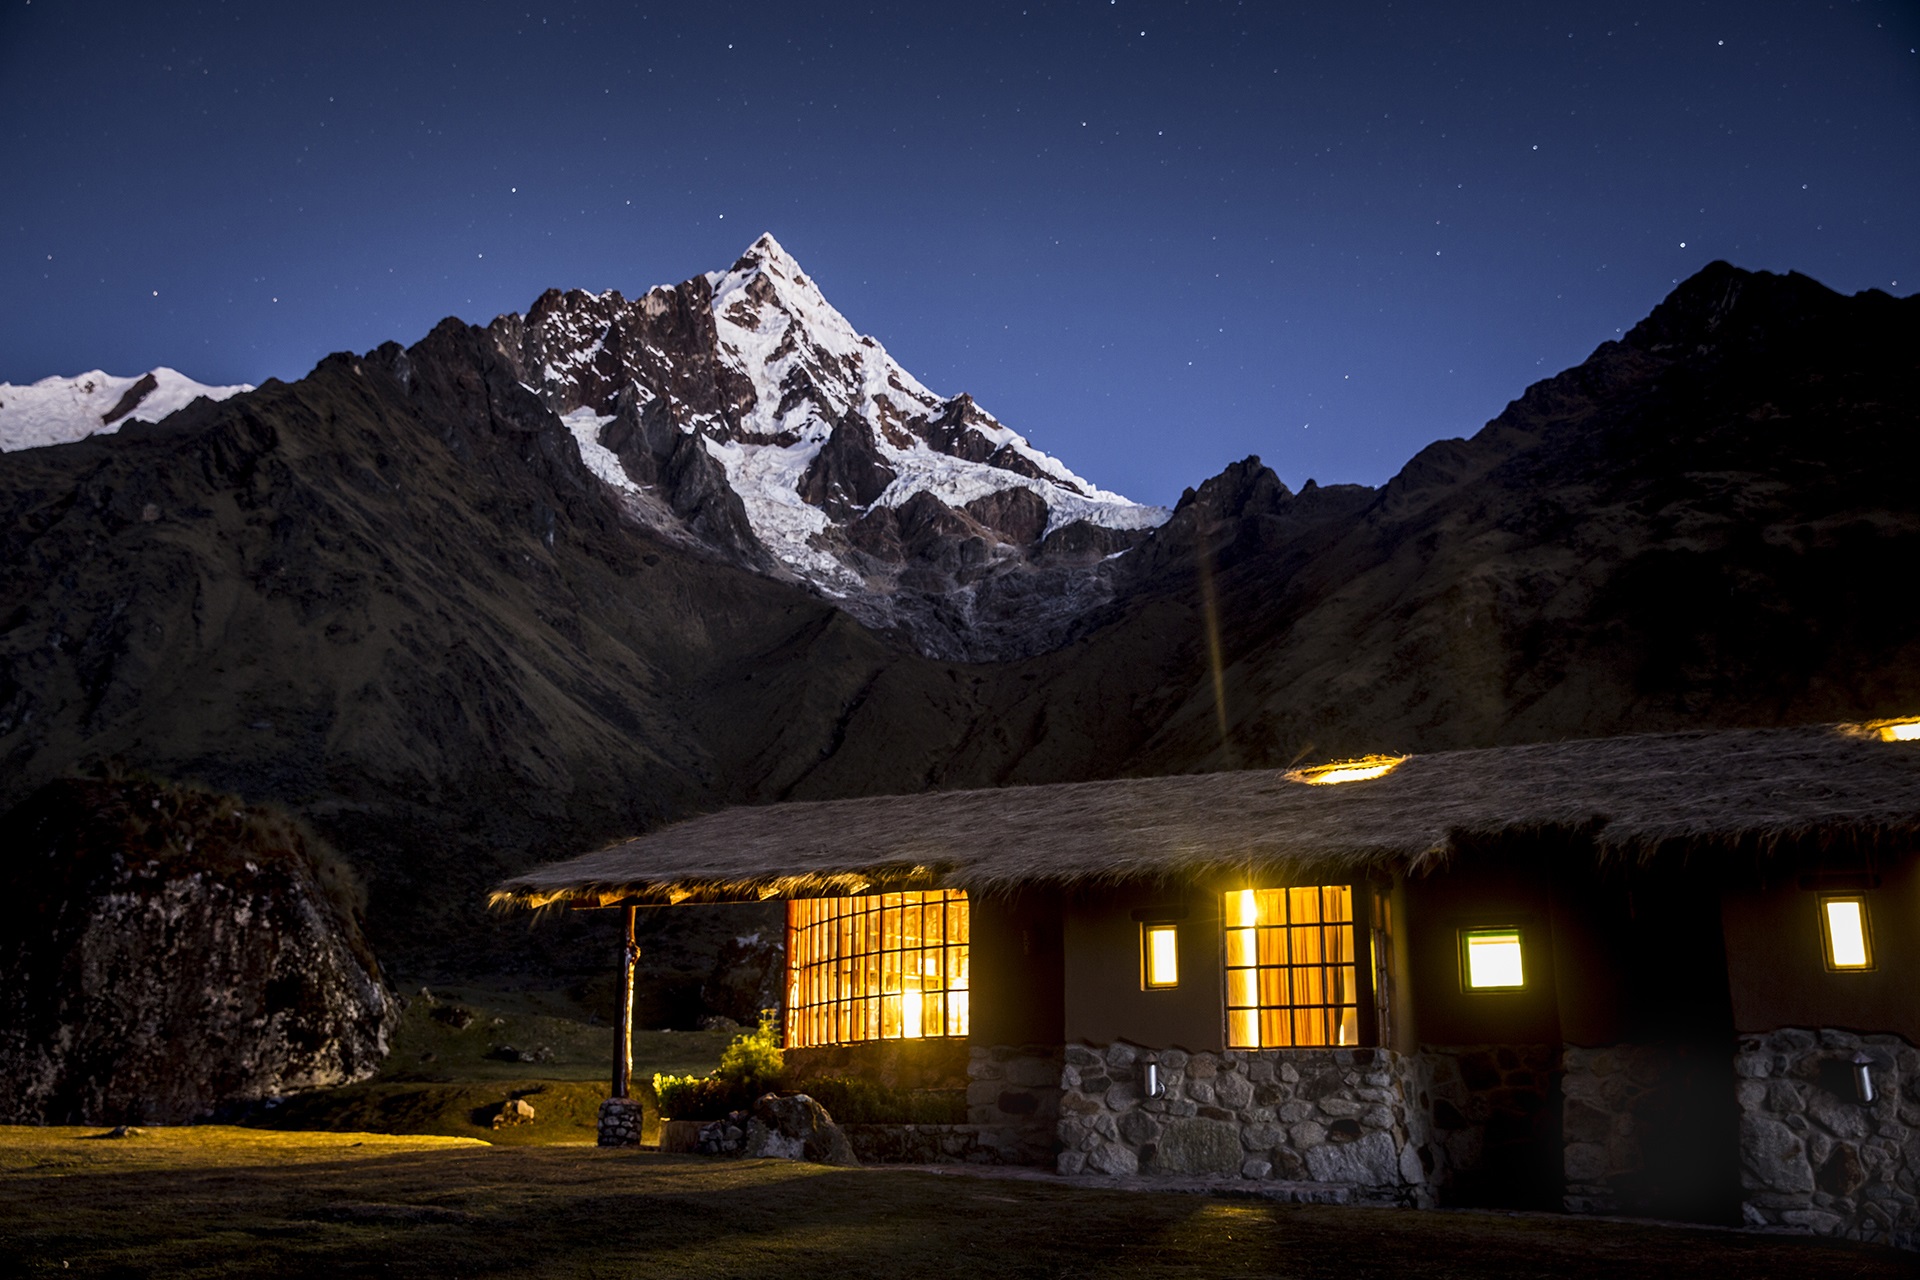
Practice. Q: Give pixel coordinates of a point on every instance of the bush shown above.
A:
(755, 1055)
(750, 1066)
(853, 1101)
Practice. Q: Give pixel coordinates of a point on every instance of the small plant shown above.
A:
(751, 1065)
(754, 1056)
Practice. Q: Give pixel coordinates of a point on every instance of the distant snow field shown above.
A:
(62, 410)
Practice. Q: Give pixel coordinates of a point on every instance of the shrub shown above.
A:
(854, 1101)
(750, 1066)
(754, 1056)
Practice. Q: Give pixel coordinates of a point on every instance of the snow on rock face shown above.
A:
(756, 362)
(62, 410)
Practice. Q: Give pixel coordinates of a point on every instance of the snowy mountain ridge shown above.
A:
(741, 410)
(61, 410)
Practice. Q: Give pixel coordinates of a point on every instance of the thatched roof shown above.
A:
(1640, 797)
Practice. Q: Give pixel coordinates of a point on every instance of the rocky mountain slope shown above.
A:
(403, 597)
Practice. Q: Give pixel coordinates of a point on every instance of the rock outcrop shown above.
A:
(166, 952)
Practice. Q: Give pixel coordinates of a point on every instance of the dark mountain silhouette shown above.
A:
(392, 597)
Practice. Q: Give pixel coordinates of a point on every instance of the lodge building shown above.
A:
(1674, 975)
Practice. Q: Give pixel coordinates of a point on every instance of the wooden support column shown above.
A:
(623, 1029)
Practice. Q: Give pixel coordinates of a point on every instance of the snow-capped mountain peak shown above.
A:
(746, 403)
(61, 410)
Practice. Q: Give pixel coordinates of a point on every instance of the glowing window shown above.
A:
(1159, 956)
(1323, 775)
(1491, 960)
(1291, 978)
(1843, 925)
(882, 966)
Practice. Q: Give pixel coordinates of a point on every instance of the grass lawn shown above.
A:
(216, 1201)
(455, 1060)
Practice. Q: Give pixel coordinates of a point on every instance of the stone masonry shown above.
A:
(1348, 1118)
(1013, 1102)
(1606, 1091)
(1493, 1110)
(621, 1122)
(1812, 1155)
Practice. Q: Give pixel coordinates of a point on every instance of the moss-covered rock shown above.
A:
(167, 951)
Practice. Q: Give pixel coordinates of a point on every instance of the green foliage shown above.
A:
(700, 1097)
(855, 1101)
(750, 1066)
(754, 1056)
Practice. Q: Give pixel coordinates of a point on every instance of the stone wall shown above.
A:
(1813, 1157)
(1345, 1118)
(1651, 1129)
(1014, 1090)
(1021, 1144)
(1494, 1112)
(1606, 1091)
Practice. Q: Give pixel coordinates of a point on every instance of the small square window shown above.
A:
(1848, 946)
(1159, 956)
(1490, 960)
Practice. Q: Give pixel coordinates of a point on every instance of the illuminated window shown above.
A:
(1291, 978)
(1490, 960)
(1843, 927)
(1323, 775)
(883, 966)
(1159, 956)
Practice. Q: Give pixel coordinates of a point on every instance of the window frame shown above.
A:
(839, 966)
(1147, 929)
(1371, 959)
(1826, 934)
(1519, 933)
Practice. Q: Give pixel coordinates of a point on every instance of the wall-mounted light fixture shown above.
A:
(1150, 1082)
(1863, 1078)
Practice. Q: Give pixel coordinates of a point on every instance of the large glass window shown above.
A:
(1292, 979)
(882, 966)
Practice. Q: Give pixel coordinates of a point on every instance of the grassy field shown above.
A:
(457, 1055)
(218, 1202)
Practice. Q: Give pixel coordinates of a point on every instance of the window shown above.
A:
(1843, 930)
(1292, 979)
(1159, 956)
(1491, 960)
(882, 966)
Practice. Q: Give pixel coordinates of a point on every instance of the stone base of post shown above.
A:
(620, 1122)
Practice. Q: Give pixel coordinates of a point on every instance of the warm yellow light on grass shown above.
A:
(1493, 960)
(1161, 952)
(1322, 775)
(1845, 926)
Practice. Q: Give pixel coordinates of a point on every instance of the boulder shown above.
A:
(796, 1128)
(166, 952)
(514, 1111)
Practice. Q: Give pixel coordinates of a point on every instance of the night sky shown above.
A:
(1153, 237)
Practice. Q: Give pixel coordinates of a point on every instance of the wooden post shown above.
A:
(623, 1030)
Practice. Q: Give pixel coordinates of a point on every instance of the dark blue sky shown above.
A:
(1153, 237)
